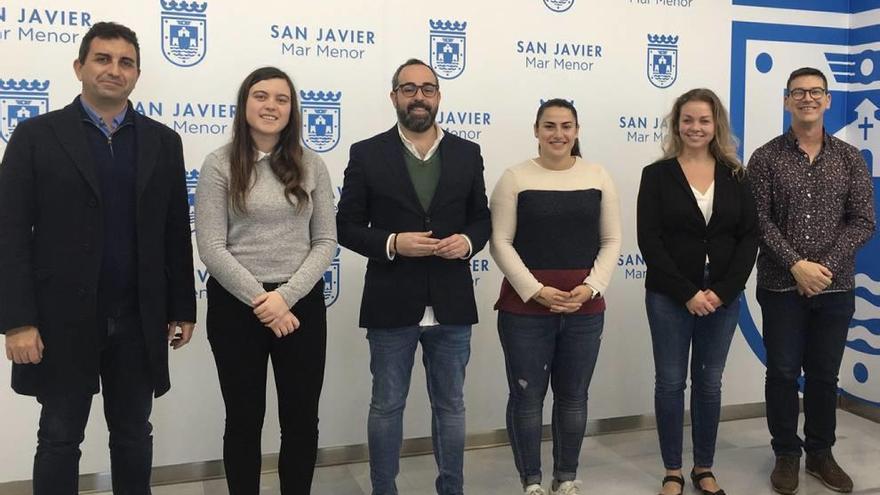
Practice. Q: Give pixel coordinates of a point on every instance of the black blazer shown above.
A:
(378, 199)
(674, 238)
(51, 228)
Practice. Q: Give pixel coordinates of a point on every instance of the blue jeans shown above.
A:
(560, 350)
(808, 333)
(673, 332)
(445, 353)
(127, 387)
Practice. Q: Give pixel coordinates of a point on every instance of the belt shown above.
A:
(270, 286)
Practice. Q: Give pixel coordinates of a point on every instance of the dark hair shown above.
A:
(723, 145)
(285, 160)
(108, 31)
(806, 71)
(561, 103)
(412, 61)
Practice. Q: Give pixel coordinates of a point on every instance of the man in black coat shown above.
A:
(414, 203)
(96, 274)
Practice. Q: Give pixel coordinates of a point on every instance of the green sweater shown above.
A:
(425, 174)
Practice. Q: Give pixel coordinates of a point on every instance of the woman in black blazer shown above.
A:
(697, 231)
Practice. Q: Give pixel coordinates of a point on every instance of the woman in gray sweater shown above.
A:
(266, 232)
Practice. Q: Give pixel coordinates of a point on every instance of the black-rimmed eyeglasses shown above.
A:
(410, 89)
(800, 93)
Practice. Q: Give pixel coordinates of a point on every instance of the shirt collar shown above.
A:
(262, 154)
(99, 121)
(412, 148)
(792, 140)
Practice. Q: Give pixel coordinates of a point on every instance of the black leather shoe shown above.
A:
(695, 478)
(673, 479)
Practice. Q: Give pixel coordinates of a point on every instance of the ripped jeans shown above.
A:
(559, 350)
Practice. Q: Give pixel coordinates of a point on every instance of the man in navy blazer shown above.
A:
(96, 272)
(414, 203)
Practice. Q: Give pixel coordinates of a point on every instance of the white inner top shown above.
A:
(705, 200)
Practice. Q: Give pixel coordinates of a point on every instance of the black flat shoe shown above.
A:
(673, 479)
(695, 478)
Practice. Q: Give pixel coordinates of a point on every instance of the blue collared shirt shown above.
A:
(99, 121)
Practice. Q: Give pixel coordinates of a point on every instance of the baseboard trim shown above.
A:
(859, 408)
(329, 456)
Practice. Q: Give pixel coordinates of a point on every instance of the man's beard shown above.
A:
(416, 123)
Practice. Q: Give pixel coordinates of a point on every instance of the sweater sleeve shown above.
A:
(503, 208)
(609, 237)
(322, 236)
(212, 205)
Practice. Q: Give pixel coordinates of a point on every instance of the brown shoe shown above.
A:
(825, 469)
(784, 477)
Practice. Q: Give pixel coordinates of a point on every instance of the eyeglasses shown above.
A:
(800, 93)
(410, 89)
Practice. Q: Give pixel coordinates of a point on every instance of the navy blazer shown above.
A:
(51, 222)
(378, 199)
(675, 240)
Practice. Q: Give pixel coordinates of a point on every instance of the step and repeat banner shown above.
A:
(621, 62)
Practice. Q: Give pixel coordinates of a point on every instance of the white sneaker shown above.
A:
(565, 488)
(535, 489)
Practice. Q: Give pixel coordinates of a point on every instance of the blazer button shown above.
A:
(93, 202)
(81, 292)
(427, 220)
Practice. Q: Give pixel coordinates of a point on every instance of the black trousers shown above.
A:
(806, 334)
(127, 387)
(241, 347)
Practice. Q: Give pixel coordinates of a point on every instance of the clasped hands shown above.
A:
(703, 303)
(812, 278)
(273, 312)
(560, 301)
(416, 244)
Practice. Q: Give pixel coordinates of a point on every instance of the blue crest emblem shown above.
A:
(859, 68)
(192, 180)
(448, 48)
(331, 281)
(860, 126)
(321, 113)
(558, 5)
(184, 32)
(19, 101)
(853, 117)
(662, 60)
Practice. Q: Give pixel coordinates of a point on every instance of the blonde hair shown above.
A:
(723, 145)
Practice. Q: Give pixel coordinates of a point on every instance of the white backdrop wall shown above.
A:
(743, 49)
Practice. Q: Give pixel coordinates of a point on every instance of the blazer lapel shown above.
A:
(73, 139)
(397, 169)
(723, 181)
(678, 173)
(147, 153)
(448, 157)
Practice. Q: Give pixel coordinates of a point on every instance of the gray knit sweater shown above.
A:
(271, 242)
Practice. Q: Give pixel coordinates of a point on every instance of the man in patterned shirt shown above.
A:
(815, 205)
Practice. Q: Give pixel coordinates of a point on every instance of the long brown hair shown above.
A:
(723, 145)
(285, 160)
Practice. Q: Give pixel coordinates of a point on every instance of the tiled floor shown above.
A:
(623, 463)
